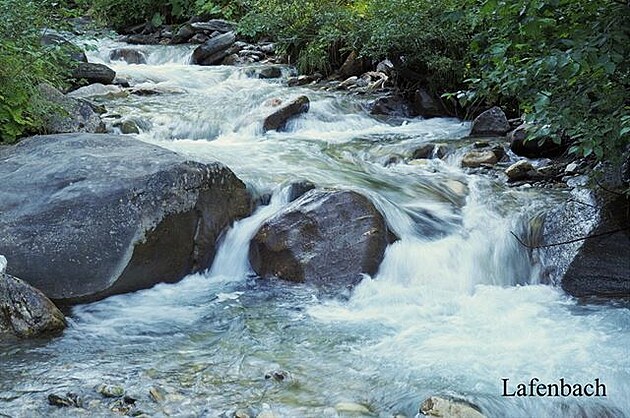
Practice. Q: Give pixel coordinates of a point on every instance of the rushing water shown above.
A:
(455, 307)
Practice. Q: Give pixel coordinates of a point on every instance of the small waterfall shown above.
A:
(231, 261)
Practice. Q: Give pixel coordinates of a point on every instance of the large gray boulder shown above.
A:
(593, 267)
(213, 50)
(25, 312)
(86, 216)
(70, 114)
(326, 237)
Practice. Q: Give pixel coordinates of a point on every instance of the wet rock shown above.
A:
(449, 408)
(301, 80)
(351, 408)
(492, 122)
(89, 73)
(299, 188)
(25, 312)
(278, 120)
(393, 105)
(219, 25)
(127, 127)
(521, 170)
(111, 214)
(597, 266)
(213, 51)
(242, 413)
(98, 89)
(199, 38)
(70, 114)
(479, 158)
(269, 72)
(424, 151)
(535, 148)
(183, 34)
(110, 391)
(328, 238)
(70, 400)
(129, 55)
(156, 394)
(427, 105)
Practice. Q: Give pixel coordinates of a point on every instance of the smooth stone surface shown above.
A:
(475, 159)
(326, 237)
(86, 216)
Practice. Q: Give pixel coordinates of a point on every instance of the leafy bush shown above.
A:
(24, 64)
(564, 62)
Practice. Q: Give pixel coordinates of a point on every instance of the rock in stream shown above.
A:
(85, 216)
(326, 237)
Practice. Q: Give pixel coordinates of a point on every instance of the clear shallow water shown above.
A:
(454, 308)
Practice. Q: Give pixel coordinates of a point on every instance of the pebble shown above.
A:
(110, 391)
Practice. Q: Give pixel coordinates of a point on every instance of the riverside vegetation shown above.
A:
(559, 64)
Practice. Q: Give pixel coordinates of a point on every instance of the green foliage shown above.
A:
(121, 14)
(24, 64)
(564, 62)
(312, 33)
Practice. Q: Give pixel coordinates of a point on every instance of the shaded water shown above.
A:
(455, 307)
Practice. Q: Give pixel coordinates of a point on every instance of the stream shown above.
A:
(456, 305)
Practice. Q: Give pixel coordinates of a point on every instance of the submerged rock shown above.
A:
(86, 216)
(325, 238)
(278, 119)
(25, 312)
(70, 400)
(449, 408)
(129, 55)
(492, 122)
